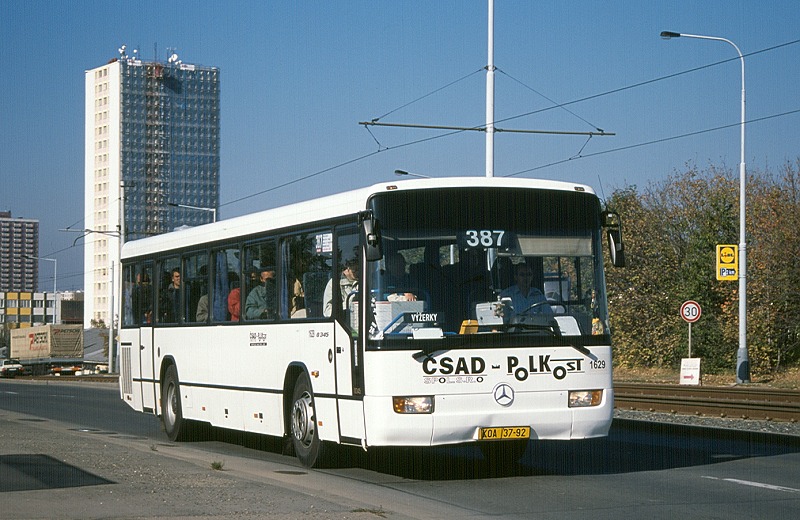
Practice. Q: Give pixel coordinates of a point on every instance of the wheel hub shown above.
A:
(303, 420)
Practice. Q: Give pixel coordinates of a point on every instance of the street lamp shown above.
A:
(213, 211)
(55, 283)
(742, 360)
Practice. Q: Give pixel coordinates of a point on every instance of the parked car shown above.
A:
(11, 368)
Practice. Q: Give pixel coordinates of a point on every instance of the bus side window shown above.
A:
(128, 295)
(293, 261)
(261, 291)
(347, 251)
(138, 295)
(307, 265)
(145, 295)
(170, 289)
(225, 290)
(314, 283)
(195, 273)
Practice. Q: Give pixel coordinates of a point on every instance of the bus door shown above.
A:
(144, 346)
(349, 404)
(147, 370)
(343, 347)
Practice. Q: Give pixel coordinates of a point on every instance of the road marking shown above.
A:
(757, 484)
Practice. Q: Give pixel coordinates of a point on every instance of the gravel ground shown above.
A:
(779, 427)
(147, 481)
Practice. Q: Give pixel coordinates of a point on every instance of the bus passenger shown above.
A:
(171, 299)
(348, 283)
(202, 309)
(234, 298)
(261, 302)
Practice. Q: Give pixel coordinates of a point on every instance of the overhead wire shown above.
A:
(646, 82)
(655, 141)
(556, 104)
(428, 94)
(381, 148)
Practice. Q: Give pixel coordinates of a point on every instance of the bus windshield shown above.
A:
(502, 266)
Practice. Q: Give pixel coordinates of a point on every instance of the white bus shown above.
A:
(416, 313)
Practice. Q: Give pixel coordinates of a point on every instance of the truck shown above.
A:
(55, 349)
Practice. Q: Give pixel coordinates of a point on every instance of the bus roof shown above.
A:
(322, 208)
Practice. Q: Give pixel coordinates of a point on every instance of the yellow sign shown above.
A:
(727, 262)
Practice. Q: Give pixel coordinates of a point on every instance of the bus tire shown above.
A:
(177, 428)
(303, 423)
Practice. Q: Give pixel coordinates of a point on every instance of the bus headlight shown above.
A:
(419, 404)
(582, 398)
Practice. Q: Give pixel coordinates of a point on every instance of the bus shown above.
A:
(392, 315)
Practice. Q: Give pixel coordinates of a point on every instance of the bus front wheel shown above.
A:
(305, 436)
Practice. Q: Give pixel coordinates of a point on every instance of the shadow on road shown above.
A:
(631, 446)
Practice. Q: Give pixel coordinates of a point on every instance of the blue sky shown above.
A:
(298, 76)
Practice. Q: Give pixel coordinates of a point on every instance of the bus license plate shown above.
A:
(503, 433)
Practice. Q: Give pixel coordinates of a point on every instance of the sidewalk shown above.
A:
(49, 471)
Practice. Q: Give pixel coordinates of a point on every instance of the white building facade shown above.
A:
(152, 152)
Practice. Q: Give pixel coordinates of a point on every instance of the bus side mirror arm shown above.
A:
(372, 237)
(616, 246)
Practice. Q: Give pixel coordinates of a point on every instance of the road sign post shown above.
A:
(690, 370)
(690, 312)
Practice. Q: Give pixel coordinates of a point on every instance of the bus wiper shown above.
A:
(583, 350)
(427, 353)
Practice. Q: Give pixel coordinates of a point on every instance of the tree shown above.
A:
(671, 233)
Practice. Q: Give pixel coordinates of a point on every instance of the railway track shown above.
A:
(741, 402)
(736, 402)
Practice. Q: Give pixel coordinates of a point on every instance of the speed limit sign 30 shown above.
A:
(690, 311)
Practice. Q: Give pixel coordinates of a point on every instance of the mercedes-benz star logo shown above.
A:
(504, 394)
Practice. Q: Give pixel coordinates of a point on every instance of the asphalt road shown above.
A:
(77, 451)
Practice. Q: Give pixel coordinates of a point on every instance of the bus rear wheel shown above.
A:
(305, 436)
(177, 428)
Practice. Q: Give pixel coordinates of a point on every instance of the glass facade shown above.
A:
(154, 127)
(169, 145)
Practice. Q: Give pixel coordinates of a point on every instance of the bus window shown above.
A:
(145, 294)
(169, 306)
(195, 281)
(260, 286)
(226, 291)
(128, 292)
(349, 276)
(138, 297)
(309, 258)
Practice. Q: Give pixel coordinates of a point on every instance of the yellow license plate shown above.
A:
(503, 433)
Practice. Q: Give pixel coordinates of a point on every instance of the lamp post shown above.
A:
(213, 211)
(742, 360)
(55, 283)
